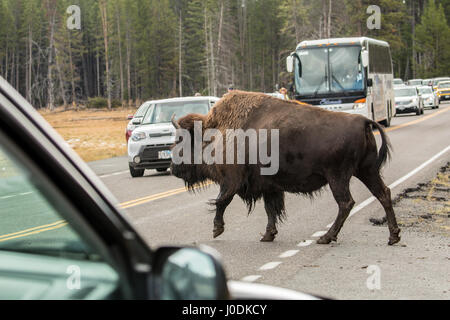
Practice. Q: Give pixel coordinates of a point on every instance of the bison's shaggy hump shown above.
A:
(233, 109)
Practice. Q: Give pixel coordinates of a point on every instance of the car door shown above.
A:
(61, 236)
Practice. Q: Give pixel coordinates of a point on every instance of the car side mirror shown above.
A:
(188, 274)
(136, 121)
(369, 82)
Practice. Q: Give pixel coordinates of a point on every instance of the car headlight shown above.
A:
(138, 136)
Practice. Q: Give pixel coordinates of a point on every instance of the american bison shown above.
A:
(316, 147)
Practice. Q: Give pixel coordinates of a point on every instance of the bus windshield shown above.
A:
(330, 70)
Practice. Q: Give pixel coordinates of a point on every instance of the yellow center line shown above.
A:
(35, 232)
(31, 229)
(415, 121)
(157, 196)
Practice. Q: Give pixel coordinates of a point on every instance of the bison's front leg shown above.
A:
(341, 191)
(221, 203)
(274, 205)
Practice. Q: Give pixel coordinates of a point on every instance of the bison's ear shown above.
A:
(187, 122)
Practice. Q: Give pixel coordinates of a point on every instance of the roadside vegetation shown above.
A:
(94, 134)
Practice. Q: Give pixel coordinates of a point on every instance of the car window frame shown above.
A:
(128, 252)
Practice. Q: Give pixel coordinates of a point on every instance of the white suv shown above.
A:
(149, 144)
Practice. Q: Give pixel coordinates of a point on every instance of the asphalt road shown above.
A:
(416, 268)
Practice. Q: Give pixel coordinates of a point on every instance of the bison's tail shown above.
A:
(385, 151)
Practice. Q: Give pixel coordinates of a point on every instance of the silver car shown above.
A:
(150, 143)
(429, 97)
(414, 82)
(407, 100)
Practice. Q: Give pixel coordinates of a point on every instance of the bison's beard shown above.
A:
(192, 174)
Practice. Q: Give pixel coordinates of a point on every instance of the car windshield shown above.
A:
(437, 81)
(425, 90)
(415, 82)
(329, 70)
(405, 92)
(444, 85)
(142, 110)
(162, 112)
(398, 81)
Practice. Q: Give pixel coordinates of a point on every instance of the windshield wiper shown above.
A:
(325, 80)
(340, 85)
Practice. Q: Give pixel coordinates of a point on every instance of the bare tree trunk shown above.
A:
(213, 64)
(60, 78)
(130, 101)
(120, 59)
(207, 53)
(51, 102)
(180, 66)
(98, 71)
(29, 64)
(329, 20)
(72, 76)
(103, 11)
(219, 38)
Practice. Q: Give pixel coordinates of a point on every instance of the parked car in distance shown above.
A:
(437, 80)
(429, 98)
(277, 95)
(443, 90)
(82, 245)
(149, 145)
(414, 82)
(407, 100)
(397, 82)
(136, 119)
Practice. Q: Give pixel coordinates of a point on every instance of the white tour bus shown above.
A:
(346, 74)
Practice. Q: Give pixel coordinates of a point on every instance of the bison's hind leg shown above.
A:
(274, 205)
(373, 181)
(340, 187)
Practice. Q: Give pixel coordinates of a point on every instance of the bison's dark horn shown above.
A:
(175, 124)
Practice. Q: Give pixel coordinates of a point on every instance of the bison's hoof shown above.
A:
(325, 239)
(218, 231)
(394, 238)
(269, 236)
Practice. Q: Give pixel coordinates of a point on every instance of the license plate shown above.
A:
(165, 154)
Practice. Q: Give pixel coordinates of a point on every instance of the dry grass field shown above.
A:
(93, 134)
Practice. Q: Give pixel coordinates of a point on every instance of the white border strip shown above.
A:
(399, 181)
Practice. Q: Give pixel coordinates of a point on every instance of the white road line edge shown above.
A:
(288, 253)
(113, 174)
(319, 234)
(251, 278)
(399, 181)
(270, 265)
(305, 243)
